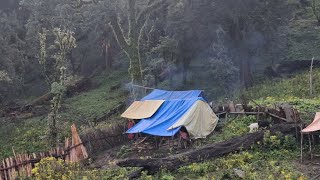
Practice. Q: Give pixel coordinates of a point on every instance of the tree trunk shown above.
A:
(107, 54)
(156, 80)
(130, 45)
(204, 153)
(246, 79)
(135, 68)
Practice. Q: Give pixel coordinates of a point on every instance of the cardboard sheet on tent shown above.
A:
(199, 121)
(142, 109)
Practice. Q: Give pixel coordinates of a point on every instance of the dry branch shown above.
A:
(75, 87)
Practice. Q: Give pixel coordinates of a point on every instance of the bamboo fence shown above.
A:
(22, 164)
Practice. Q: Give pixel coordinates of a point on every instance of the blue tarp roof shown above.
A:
(176, 105)
(158, 94)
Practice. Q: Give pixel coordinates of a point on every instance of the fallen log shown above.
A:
(80, 85)
(209, 151)
(119, 108)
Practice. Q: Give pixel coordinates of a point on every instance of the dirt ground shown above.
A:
(308, 167)
(139, 148)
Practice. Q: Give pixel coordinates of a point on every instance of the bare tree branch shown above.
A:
(118, 33)
(132, 17)
(152, 7)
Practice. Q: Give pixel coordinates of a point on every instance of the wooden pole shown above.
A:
(301, 148)
(246, 113)
(258, 113)
(144, 87)
(310, 78)
(295, 122)
(312, 136)
(226, 119)
(221, 113)
(273, 115)
(310, 146)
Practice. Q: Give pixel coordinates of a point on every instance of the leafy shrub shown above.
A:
(199, 169)
(278, 142)
(52, 168)
(271, 141)
(145, 176)
(124, 150)
(235, 127)
(255, 165)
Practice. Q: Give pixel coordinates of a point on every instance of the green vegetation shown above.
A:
(29, 135)
(293, 91)
(22, 136)
(96, 102)
(273, 158)
(51, 168)
(234, 127)
(303, 36)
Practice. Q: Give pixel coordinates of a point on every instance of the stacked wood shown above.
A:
(209, 151)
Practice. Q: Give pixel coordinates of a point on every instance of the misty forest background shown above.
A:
(216, 46)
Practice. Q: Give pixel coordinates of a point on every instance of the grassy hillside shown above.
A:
(29, 135)
(303, 37)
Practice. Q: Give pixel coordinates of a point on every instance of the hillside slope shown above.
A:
(29, 135)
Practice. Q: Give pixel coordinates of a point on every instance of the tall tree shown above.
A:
(130, 43)
(63, 44)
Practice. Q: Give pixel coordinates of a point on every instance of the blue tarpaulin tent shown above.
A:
(176, 105)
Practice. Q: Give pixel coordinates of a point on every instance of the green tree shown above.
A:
(63, 44)
(12, 54)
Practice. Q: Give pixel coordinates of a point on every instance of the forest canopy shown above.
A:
(161, 43)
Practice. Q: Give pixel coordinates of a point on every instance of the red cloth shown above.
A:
(130, 125)
(184, 135)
